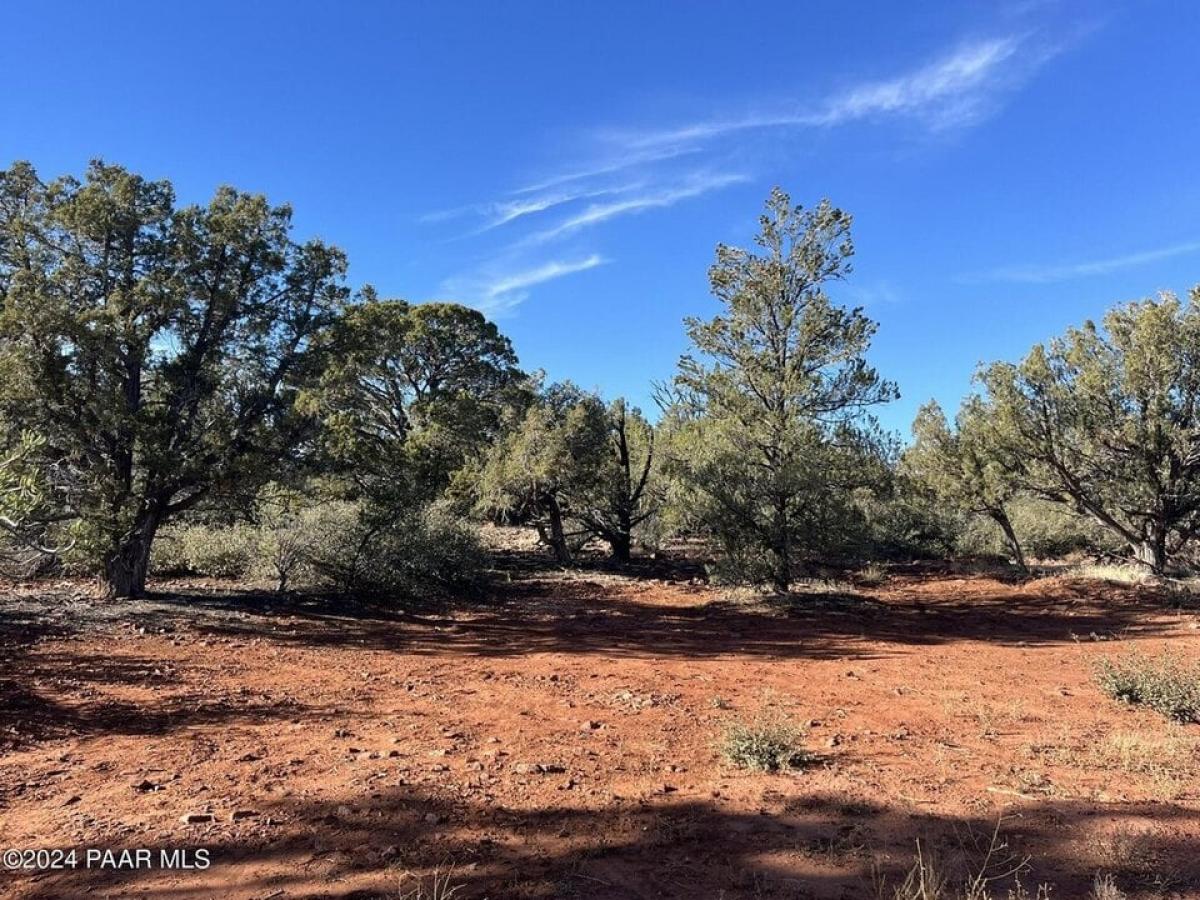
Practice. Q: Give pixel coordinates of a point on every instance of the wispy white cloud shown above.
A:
(608, 166)
(631, 171)
(953, 90)
(594, 214)
(501, 212)
(1045, 274)
(496, 293)
(947, 91)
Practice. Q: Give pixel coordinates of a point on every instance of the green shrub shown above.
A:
(1049, 530)
(739, 565)
(218, 551)
(1045, 529)
(907, 525)
(1164, 683)
(409, 556)
(333, 545)
(764, 747)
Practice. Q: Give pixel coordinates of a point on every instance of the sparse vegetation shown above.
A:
(438, 885)
(989, 870)
(1118, 573)
(764, 746)
(1105, 888)
(871, 575)
(333, 545)
(1165, 683)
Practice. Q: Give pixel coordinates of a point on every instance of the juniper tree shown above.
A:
(155, 350)
(626, 493)
(1107, 420)
(548, 458)
(961, 468)
(412, 392)
(780, 386)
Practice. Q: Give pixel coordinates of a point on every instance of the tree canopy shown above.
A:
(547, 462)
(412, 392)
(961, 468)
(1107, 421)
(154, 350)
(779, 385)
(160, 360)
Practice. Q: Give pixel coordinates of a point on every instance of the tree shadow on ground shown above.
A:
(52, 689)
(50, 694)
(802, 846)
(579, 614)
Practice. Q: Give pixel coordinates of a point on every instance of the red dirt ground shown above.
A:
(560, 740)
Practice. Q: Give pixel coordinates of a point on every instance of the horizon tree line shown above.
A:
(197, 364)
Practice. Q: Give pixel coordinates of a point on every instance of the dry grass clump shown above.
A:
(764, 746)
(1180, 592)
(1168, 764)
(930, 878)
(1105, 888)
(871, 575)
(1119, 573)
(996, 877)
(438, 885)
(1139, 754)
(990, 870)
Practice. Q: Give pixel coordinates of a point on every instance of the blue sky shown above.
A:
(569, 167)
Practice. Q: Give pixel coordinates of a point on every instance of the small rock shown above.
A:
(833, 740)
(432, 818)
(197, 818)
(240, 814)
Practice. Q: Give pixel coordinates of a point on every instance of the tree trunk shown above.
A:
(622, 540)
(558, 537)
(127, 565)
(781, 572)
(1010, 538)
(781, 576)
(621, 544)
(1152, 552)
